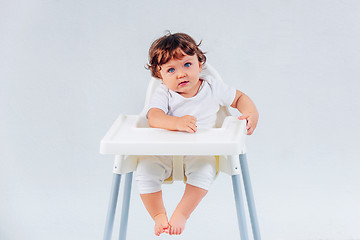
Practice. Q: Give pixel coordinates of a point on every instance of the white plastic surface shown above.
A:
(125, 138)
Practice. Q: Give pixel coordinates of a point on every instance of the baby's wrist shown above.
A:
(177, 123)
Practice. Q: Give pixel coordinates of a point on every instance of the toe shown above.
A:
(157, 231)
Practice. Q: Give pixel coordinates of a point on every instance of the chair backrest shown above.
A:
(154, 83)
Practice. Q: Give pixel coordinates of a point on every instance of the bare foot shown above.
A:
(161, 223)
(177, 223)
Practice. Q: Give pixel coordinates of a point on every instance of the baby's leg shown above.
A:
(150, 173)
(200, 172)
(191, 198)
(154, 205)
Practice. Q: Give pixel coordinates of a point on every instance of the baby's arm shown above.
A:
(158, 119)
(247, 107)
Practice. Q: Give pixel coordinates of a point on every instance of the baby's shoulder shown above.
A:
(160, 92)
(162, 89)
(210, 81)
(207, 78)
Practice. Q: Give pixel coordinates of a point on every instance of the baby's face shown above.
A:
(182, 75)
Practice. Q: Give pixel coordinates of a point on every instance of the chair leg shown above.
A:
(250, 197)
(112, 206)
(125, 206)
(240, 207)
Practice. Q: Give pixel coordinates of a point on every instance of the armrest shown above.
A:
(115, 126)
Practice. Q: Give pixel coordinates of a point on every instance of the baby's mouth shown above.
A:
(183, 83)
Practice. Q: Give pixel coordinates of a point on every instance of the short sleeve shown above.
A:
(223, 92)
(160, 99)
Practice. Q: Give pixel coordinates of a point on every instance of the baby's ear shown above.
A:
(159, 73)
(200, 66)
(159, 76)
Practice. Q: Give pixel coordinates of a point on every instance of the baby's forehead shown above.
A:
(175, 59)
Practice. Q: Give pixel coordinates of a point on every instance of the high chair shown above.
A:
(130, 136)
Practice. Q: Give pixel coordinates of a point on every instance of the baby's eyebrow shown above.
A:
(167, 66)
(184, 59)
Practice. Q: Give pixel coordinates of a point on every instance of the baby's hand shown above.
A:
(252, 120)
(186, 123)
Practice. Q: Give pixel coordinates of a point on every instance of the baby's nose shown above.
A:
(181, 75)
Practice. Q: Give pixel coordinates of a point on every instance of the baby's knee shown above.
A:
(150, 174)
(201, 171)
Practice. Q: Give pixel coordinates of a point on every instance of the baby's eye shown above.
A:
(171, 70)
(187, 64)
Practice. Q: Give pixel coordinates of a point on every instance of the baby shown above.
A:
(183, 102)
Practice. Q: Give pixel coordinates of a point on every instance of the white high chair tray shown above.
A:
(125, 138)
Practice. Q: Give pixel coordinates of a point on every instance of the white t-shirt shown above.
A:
(203, 106)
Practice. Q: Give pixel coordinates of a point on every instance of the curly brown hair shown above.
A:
(172, 46)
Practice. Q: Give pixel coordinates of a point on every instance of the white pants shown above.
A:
(151, 172)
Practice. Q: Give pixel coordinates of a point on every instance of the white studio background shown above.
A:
(69, 68)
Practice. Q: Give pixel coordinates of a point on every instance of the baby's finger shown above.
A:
(193, 127)
(248, 125)
(250, 131)
(244, 116)
(189, 130)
